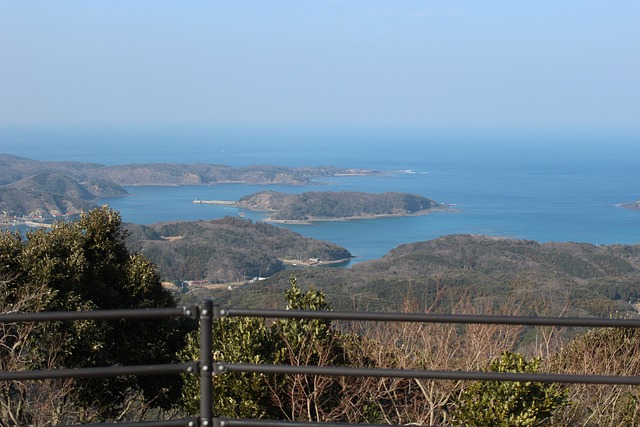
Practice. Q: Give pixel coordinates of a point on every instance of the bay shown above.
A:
(541, 185)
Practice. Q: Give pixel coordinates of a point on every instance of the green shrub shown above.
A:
(513, 404)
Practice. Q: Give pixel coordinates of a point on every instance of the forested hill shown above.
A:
(329, 205)
(489, 273)
(225, 250)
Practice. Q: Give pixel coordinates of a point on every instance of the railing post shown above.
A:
(206, 364)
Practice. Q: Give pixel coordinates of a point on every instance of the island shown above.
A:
(315, 206)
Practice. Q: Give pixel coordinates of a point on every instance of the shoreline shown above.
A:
(319, 263)
(211, 184)
(311, 221)
(213, 202)
(18, 223)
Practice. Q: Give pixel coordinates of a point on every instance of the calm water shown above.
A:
(544, 186)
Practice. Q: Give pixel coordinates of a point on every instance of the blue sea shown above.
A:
(543, 185)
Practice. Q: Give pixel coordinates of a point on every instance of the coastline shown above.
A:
(18, 223)
(310, 221)
(318, 263)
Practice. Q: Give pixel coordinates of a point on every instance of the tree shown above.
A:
(20, 402)
(509, 404)
(85, 265)
(236, 394)
(286, 341)
(308, 342)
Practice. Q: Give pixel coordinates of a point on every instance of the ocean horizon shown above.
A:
(537, 185)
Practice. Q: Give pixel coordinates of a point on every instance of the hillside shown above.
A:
(225, 250)
(53, 194)
(492, 273)
(14, 168)
(330, 205)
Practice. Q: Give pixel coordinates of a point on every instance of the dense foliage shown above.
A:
(225, 250)
(286, 341)
(509, 404)
(86, 265)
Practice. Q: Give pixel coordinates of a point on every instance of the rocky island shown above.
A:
(330, 205)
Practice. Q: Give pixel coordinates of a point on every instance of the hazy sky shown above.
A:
(327, 62)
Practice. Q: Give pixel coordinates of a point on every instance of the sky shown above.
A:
(320, 62)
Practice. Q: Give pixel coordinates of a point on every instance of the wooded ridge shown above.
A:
(560, 278)
(331, 205)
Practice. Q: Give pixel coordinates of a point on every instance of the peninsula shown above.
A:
(228, 249)
(635, 205)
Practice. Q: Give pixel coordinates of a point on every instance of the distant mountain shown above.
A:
(200, 173)
(106, 181)
(330, 205)
(226, 250)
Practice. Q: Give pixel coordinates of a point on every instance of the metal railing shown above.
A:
(203, 366)
(206, 367)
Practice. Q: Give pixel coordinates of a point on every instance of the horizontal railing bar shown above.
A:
(222, 367)
(186, 422)
(140, 313)
(432, 318)
(235, 422)
(108, 371)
